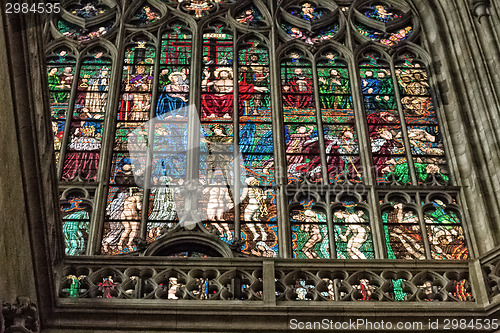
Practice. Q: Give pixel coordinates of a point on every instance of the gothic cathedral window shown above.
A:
(293, 129)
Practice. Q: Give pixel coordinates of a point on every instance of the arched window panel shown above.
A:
(175, 57)
(145, 15)
(258, 203)
(123, 215)
(444, 230)
(384, 123)
(254, 101)
(383, 22)
(425, 137)
(402, 231)
(340, 135)
(299, 111)
(217, 83)
(137, 81)
(351, 226)
(81, 158)
(125, 194)
(312, 22)
(127, 176)
(217, 167)
(61, 65)
(254, 104)
(84, 21)
(310, 238)
(76, 208)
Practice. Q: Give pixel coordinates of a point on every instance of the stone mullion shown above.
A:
(377, 225)
(360, 118)
(151, 133)
(69, 117)
(236, 140)
(319, 124)
(330, 226)
(105, 157)
(404, 129)
(324, 166)
(194, 112)
(423, 227)
(282, 216)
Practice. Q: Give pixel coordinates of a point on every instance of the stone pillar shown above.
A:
(28, 200)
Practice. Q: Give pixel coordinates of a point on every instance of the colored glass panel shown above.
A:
(446, 235)
(146, 15)
(88, 9)
(385, 38)
(255, 144)
(310, 238)
(308, 12)
(426, 140)
(383, 13)
(352, 231)
(309, 37)
(83, 150)
(75, 211)
(384, 124)
(61, 71)
(402, 231)
(337, 114)
(80, 34)
(250, 16)
(301, 133)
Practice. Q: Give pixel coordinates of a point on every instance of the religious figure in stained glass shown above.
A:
(298, 89)
(320, 131)
(220, 103)
(446, 235)
(88, 9)
(310, 234)
(76, 221)
(146, 15)
(171, 103)
(199, 7)
(355, 235)
(383, 13)
(402, 233)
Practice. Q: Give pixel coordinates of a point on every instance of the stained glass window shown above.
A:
(403, 234)
(353, 238)
(444, 230)
(313, 136)
(310, 237)
(76, 209)
(82, 148)
(61, 70)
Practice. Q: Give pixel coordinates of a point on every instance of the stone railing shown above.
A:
(254, 280)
